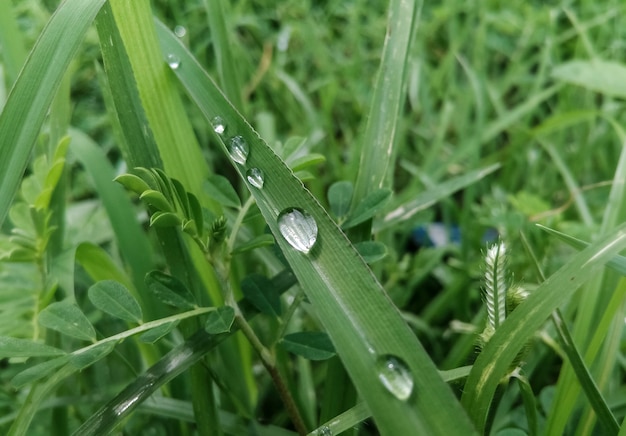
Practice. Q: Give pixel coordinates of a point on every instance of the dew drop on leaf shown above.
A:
(219, 125)
(173, 61)
(238, 149)
(180, 31)
(255, 177)
(324, 431)
(298, 228)
(395, 376)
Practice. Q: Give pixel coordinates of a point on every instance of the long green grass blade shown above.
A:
(493, 362)
(222, 45)
(360, 319)
(35, 88)
(11, 41)
(163, 107)
(376, 152)
(426, 199)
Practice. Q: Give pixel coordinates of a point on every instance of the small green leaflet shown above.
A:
(310, 345)
(39, 371)
(169, 290)
(14, 347)
(67, 318)
(113, 298)
(153, 335)
(220, 320)
(81, 359)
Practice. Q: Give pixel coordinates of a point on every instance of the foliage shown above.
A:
(209, 205)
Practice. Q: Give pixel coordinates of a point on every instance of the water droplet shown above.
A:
(255, 177)
(219, 125)
(180, 31)
(239, 149)
(395, 376)
(324, 431)
(298, 228)
(173, 61)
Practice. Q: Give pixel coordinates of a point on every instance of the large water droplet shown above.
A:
(238, 148)
(173, 61)
(255, 177)
(395, 376)
(298, 228)
(219, 125)
(180, 31)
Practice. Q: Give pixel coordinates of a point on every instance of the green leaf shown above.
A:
(169, 290)
(81, 359)
(310, 345)
(196, 213)
(597, 75)
(340, 197)
(149, 177)
(368, 207)
(220, 320)
(181, 198)
(99, 265)
(153, 335)
(292, 146)
(165, 219)
(256, 242)
(39, 371)
(426, 199)
(618, 263)
(14, 347)
(133, 183)
(67, 318)
(113, 298)
(371, 251)
(306, 161)
(219, 188)
(259, 290)
(157, 200)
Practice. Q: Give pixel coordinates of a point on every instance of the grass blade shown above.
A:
(432, 196)
(28, 102)
(360, 319)
(377, 144)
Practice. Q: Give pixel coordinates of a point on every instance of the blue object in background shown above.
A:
(439, 234)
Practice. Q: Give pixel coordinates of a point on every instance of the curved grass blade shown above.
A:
(432, 196)
(493, 363)
(28, 102)
(362, 322)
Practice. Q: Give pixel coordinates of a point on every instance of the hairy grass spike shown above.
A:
(495, 284)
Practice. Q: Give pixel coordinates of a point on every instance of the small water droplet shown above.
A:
(255, 177)
(219, 125)
(324, 431)
(180, 31)
(298, 228)
(239, 150)
(395, 376)
(173, 61)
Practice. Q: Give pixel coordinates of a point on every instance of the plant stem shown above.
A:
(270, 365)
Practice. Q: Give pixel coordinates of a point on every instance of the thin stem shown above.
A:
(269, 364)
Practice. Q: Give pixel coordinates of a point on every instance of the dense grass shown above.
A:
(485, 117)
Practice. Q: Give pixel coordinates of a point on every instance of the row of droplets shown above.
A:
(300, 230)
(297, 226)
